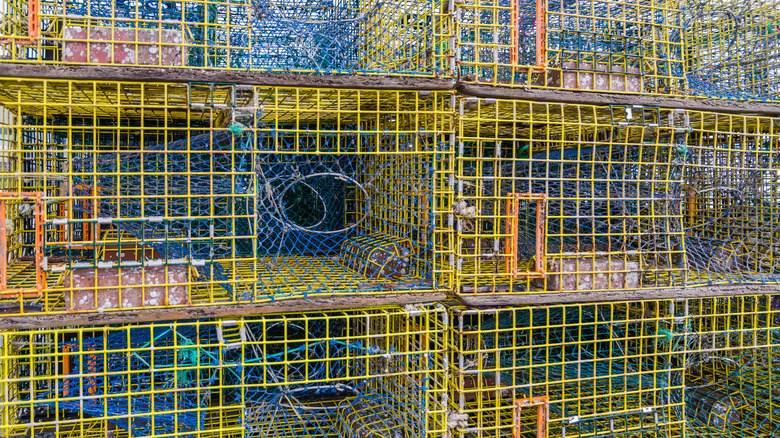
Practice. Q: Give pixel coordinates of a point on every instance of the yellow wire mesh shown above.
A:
(356, 36)
(610, 46)
(185, 194)
(374, 372)
(734, 49)
(731, 366)
(566, 198)
(580, 370)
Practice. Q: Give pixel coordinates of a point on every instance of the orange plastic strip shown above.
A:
(40, 275)
(542, 415)
(514, 55)
(541, 31)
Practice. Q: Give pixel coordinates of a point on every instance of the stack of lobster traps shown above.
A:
(389, 219)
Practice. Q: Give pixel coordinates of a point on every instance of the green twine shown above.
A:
(187, 356)
(237, 128)
(667, 334)
(682, 148)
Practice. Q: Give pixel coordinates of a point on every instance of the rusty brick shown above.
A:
(85, 281)
(592, 80)
(124, 46)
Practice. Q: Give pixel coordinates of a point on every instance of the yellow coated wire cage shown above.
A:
(581, 370)
(343, 36)
(733, 49)
(732, 360)
(557, 197)
(685, 367)
(631, 46)
(568, 198)
(375, 372)
(156, 195)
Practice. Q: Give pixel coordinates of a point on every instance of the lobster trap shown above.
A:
(160, 195)
(610, 46)
(732, 358)
(291, 36)
(733, 49)
(369, 373)
(730, 192)
(580, 370)
(564, 198)
(557, 198)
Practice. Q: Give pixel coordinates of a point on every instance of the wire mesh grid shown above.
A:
(163, 195)
(612, 46)
(371, 373)
(732, 214)
(733, 49)
(563, 198)
(732, 358)
(555, 197)
(685, 367)
(365, 36)
(578, 370)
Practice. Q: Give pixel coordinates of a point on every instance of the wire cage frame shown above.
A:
(608, 46)
(344, 36)
(373, 372)
(580, 370)
(701, 367)
(160, 195)
(567, 198)
(577, 198)
(731, 361)
(733, 49)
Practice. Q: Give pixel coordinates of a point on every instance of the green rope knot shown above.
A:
(237, 129)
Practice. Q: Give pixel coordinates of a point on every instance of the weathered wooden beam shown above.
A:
(331, 302)
(493, 300)
(379, 82)
(149, 74)
(595, 98)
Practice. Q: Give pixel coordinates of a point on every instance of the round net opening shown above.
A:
(304, 206)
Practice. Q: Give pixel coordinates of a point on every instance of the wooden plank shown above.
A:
(368, 81)
(150, 74)
(595, 98)
(499, 299)
(320, 303)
